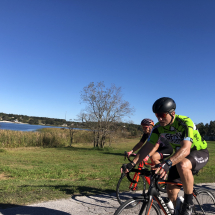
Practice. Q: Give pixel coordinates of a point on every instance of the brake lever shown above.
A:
(124, 167)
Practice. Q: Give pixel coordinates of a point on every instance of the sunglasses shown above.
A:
(145, 126)
(161, 115)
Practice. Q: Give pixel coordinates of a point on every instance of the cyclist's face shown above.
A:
(166, 119)
(147, 129)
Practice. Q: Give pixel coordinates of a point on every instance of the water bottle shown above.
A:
(169, 205)
(179, 202)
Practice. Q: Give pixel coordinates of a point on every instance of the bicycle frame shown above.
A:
(137, 176)
(154, 193)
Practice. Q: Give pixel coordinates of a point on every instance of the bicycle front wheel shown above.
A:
(126, 189)
(204, 202)
(137, 206)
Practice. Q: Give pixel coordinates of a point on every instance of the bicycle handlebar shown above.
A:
(144, 172)
(133, 155)
(126, 156)
(154, 177)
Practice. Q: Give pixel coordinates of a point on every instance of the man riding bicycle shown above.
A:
(191, 150)
(162, 148)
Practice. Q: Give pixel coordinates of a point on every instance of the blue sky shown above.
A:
(51, 49)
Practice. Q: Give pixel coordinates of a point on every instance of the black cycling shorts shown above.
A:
(198, 159)
(165, 151)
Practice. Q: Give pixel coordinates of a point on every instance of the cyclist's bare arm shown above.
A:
(182, 153)
(137, 146)
(143, 152)
(147, 149)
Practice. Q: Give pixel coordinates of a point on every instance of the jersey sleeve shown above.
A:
(154, 136)
(188, 131)
(144, 138)
(192, 134)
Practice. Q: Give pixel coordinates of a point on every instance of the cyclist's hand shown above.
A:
(162, 169)
(127, 167)
(129, 153)
(146, 158)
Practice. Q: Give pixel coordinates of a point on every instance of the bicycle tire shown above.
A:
(123, 193)
(204, 202)
(134, 206)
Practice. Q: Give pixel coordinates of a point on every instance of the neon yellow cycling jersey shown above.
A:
(182, 128)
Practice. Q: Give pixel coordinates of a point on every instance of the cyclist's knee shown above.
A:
(184, 165)
(155, 158)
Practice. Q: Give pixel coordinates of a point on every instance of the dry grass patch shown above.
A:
(4, 176)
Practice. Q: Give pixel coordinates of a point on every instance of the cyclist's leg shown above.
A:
(185, 171)
(156, 157)
(173, 190)
(194, 161)
(162, 152)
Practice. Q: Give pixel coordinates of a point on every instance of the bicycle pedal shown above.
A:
(134, 189)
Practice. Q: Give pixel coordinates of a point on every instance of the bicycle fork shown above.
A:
(135, 178)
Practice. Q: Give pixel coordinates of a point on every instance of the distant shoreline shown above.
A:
(14, 122)
(34, 124)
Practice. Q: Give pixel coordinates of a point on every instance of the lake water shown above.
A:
(22, 127)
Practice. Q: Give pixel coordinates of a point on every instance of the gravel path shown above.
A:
(77, 205)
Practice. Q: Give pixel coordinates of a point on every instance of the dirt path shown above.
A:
(77, 205)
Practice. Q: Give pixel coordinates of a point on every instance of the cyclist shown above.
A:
(191, 150)
(163, 148)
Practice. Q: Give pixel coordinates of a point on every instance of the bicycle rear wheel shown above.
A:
(134, 206)
(126, 190)
(204, 202)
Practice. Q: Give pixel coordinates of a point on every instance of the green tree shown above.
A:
(201, 129)
(33, 121)
(211, 129)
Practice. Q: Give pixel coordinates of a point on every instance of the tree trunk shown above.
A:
(94, 140)
(97, 139)
(109, 140)
(71, 136)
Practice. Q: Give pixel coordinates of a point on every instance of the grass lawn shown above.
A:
(29, 175)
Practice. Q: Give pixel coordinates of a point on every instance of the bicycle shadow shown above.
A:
(71, 189)
(101, 150)
(93, 196)
(102, 200)
(209, 186)
(83, 191)
(10, 209)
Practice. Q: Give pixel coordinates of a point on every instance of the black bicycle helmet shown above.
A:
(164, 105)
(147, 121)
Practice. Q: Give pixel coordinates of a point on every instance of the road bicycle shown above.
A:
(152, 203)
(134, 183)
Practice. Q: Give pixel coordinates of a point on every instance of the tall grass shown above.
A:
(47, 137)
(33, 174)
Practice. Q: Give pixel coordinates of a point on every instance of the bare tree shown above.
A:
(104, 107)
